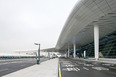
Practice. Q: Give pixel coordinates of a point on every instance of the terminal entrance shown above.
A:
(107, 47)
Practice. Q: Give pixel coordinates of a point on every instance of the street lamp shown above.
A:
(38, 59)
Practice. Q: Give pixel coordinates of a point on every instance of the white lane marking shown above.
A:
(100, 68)
(4, 70)
(4, 63)
(108, 64)
(85, 68)
(17, 62)
(71, 69)
(66, 63)
(22, 65)
(80, 63)
(69, 65)
(113, 67)
(11, 62)
(88, 65)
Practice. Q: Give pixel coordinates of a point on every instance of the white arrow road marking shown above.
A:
(72, 69)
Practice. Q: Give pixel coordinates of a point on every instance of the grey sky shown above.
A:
(24, 22)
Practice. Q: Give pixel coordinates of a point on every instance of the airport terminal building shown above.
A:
(90, 29)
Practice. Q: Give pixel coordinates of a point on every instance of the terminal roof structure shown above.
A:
(79, 25)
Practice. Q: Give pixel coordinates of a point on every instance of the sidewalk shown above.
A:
(45, 69)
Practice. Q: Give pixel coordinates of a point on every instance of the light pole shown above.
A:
(38, 59)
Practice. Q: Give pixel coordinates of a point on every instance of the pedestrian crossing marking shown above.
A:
(69, 65)
(71, 69)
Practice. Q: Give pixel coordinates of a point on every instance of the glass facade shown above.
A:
(107, 47)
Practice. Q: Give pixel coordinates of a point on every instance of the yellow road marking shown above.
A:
(59, 70)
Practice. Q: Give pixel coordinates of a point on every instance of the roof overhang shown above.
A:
(48, 50)
(79, 25)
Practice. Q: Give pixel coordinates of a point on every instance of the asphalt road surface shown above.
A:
(80, 68)
(10, 66)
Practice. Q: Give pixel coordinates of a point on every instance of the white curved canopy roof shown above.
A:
(79, 26)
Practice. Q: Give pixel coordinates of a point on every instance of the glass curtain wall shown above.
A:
(107, 47)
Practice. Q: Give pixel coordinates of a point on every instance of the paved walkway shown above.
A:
(45, 69)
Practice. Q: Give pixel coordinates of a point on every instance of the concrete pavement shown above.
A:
(45, 69)
(11, 65)
(69, 67)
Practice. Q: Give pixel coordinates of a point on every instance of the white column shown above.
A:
(74, 50)
(49, 55)
(84, 53)
(68, 51)
(96, 41)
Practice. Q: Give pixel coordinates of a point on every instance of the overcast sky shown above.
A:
(25, 22)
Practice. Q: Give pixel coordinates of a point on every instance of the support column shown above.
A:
(74, 50)
(68, 51)
(96, 41)
(49, 55)
(84, 53)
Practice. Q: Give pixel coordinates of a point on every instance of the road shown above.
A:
(80, 68)
(10, 66)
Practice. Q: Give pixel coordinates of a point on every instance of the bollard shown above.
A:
(37, 61)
